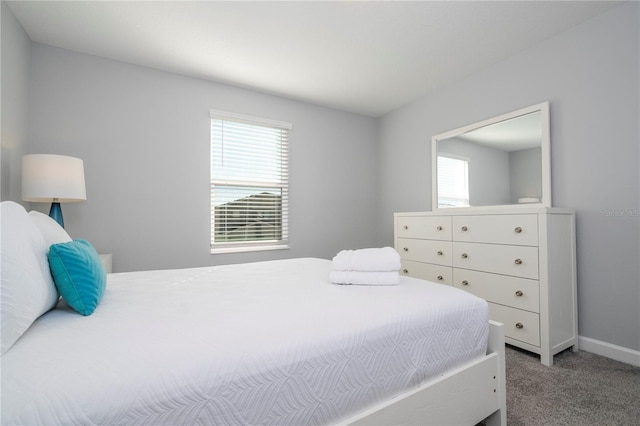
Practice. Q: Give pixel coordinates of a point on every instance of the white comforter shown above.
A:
(261, 343)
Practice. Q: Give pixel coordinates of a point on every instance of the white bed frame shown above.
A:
(465, 396)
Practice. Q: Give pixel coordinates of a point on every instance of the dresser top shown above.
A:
(515, 209)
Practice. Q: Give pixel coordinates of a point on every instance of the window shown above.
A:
(453, 182)
(249, 183)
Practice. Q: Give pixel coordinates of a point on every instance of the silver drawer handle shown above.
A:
(464, 228)
(405, 249)
(518, 230)
(464, 255)
(465, 282)
(519, 293)
(440, 278)
(518, 261)
(405, 227)
(440, 253)
(439, 228)
(519, 325)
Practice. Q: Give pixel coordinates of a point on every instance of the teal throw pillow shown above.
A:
(78, 274)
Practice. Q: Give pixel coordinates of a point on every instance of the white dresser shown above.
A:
(521, 260)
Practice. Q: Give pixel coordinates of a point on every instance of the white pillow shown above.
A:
(51, 230)
(27, 288)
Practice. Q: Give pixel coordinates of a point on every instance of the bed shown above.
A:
(259, 343)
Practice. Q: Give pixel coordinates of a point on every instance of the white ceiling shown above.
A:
(514, 134)
(368, 57)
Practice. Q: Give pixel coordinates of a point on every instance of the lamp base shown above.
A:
(56, 213)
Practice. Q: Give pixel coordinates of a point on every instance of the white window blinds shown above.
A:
(453, 182)
(249, 182)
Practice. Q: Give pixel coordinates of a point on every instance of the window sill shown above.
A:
(241, 249)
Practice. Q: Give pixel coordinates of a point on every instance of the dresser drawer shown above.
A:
(429, 251)
(518, 261)
(427, 271)
(519, 325)
(520, 293)
(515, 229)
(431, 228)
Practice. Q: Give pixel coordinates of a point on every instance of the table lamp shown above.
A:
(54, 178)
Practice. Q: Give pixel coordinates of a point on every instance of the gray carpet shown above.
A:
(580, 388)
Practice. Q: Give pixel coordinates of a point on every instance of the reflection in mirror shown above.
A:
(501, 161)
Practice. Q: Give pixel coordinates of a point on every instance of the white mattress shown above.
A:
(260, 343)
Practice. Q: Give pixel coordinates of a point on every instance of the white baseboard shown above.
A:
(608, 350)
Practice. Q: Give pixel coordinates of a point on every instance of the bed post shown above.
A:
(496, 344)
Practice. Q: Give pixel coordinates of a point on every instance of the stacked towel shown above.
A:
(371, 266)
(369, 259)
(365, 277)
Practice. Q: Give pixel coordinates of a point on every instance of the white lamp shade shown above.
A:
(46, 177)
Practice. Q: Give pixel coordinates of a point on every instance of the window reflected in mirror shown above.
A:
(453, 181)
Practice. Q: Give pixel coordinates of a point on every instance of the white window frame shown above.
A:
(281, 184)
(459, 197)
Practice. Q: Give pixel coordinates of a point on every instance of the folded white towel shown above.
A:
(365, 278)
(369, 259)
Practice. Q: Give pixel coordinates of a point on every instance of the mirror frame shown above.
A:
(545, 147)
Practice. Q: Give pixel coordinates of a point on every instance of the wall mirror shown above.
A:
(502, 161)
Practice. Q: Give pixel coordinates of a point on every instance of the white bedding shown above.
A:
(260, 343)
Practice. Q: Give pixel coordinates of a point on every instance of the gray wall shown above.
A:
(589, 75)
(144, 138)
(525, 173)
(16, 60)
